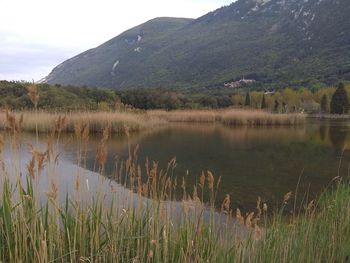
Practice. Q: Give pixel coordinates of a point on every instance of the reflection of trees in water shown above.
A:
(337, 136)
(323, 131)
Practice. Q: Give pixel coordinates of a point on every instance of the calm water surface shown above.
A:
(252, 162)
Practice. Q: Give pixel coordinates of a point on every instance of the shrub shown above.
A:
(340, 101)
(247, 99)
(324, 104)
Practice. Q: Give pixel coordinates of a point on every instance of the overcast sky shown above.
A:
(37, 35)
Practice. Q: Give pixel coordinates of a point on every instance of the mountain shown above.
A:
(274, 42)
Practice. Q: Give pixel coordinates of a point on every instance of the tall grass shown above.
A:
(232, 117)
(96, 121)
(149, 227)
(152, 224)
(260, 118)
(321, 234)
(204, 116)
(42, 121)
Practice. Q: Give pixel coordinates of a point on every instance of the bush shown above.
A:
(324, 104)
(340, 101)
(247, 99)
(263, 102)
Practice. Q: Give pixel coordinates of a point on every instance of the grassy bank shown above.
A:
(322, 234)
(142, 120)
(101, 232)
(148, 227)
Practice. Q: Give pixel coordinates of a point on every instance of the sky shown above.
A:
(37, 35)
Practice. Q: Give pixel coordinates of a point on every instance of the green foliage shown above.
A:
(14, 95)
(209, 102)
(324, 104)
(154, 99)
(247, 99)
(276, 106)
(263, 102)
(103, 106)
(340, 101)
(171, 99)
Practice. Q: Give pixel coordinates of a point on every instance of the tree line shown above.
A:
(333, 100)
(14, 95)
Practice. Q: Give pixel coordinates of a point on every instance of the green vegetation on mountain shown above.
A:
(275, 43)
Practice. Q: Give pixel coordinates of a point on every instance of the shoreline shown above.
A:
(329, 116)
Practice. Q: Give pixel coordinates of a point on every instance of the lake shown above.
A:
(266, 161)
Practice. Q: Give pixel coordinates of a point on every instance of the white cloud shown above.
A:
(62, 28)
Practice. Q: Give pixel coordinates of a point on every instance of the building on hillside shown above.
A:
(239, 83)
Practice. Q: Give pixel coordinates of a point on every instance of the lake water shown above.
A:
(266, 162)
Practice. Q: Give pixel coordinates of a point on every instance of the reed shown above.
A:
(42, 121)
(231, 117)
(260, 118)
(151, 223)
(96, 121)
(204, 116)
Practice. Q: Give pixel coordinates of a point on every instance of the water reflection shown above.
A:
(323, 131)
(338, 135)
(251, 162)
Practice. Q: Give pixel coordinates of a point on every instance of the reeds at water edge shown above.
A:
(42, 121)
(159, 221)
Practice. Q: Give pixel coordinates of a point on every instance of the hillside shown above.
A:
(275, 42)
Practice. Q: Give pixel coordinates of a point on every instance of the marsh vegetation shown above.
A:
(141, 210)
(160, 219)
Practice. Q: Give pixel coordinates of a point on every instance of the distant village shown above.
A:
(239, 83)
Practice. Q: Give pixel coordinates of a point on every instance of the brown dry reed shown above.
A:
(33, 94)
(146, 120)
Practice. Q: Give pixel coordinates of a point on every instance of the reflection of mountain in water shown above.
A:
(252, 162)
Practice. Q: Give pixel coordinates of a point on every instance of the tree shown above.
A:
(247, 99)
(263, 102)
(340, 101)
(275, 108)
(224, 101)
(284, 107)
(103, 106)
(209, 102)
(290, 96)
(237, 99)
(324, 104)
